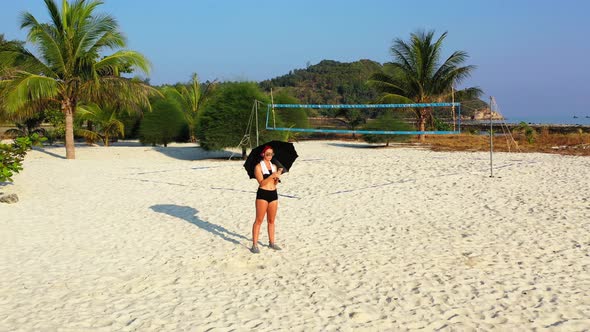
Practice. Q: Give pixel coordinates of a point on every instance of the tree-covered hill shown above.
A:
(328, 82)
(333, 82)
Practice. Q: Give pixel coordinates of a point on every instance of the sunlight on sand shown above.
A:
(141, 238)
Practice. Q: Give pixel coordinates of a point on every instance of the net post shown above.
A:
(256, 102)
(459, 117)
(491, 141)
(267, 114)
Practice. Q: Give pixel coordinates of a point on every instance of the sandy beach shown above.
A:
(134, 238)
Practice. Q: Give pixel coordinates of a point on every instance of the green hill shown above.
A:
(328, 82)
(333, 82)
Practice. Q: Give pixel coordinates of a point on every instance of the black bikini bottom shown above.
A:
(267, 195)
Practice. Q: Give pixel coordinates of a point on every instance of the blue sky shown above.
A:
(532, 56)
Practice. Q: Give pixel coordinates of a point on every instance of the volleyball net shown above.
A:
(365, 119)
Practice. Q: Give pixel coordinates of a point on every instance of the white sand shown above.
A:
(137, 238)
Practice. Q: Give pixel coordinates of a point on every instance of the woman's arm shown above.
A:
(261, 180)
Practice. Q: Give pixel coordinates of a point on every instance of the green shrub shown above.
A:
(440, 125)
(291, 117)
(57, 119)
(386, 122)
(164, 124)
(224, 121)
(12, 156)
(529, 133)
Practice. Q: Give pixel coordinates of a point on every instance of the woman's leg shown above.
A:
(271, 213)
(261, 207)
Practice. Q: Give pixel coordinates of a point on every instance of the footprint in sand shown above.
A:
(360, 316)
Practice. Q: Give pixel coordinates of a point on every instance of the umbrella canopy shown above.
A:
(284, 157)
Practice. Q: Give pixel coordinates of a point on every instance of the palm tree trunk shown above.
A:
(193, 138)
(421, 124)
(68, 110)
(89, 127)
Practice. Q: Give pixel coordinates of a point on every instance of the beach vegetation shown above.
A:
(12, 155)
(333, 82)
(105, 121)
(291, 117)
(224, 121)
(352, 117)
(57, 130)
(166, 123)
(524, 129)
(417, 75)
(328, 82)
(131, 123)
(555, 141)
(28, 126)
(72, 65)
(192, 98)
(441, 125)
(388, 121)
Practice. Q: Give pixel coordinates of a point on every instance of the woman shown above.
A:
(267, 174)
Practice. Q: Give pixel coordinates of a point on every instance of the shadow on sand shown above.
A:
(371, 146)
(189, 214)
(191, 153)
(187, 151)
(44, 150)
(356, 145)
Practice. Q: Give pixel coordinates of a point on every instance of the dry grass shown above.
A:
(565, 144)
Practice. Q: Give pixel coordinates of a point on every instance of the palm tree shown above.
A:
(106, 121)
(69, 69)
(192, 99)
(417, 76)
(27, 127)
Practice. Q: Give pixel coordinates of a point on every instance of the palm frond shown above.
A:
(14, 132)
(26, 87)
(124, 93)
(111, 40)
(49, 40)
(88, 111)
(99, 32)
(194, 94)
(391, 98)
(124, 57)
(22, 59)
(452, 62)
(54, 14)
(88, 134)
(105, 118)
(468, 94)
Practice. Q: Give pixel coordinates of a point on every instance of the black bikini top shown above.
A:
(265, 172)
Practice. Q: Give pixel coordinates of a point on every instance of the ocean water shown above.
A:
(556, 120)
(559, 119)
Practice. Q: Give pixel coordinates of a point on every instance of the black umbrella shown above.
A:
(284, 157)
